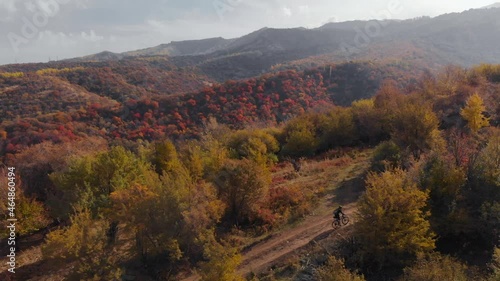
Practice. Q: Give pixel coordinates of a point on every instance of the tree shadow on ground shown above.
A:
(349, 191)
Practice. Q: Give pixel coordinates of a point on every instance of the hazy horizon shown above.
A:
(39, 30)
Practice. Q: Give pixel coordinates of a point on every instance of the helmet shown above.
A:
(340, 206)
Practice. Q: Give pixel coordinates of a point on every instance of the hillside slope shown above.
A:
(109, 104)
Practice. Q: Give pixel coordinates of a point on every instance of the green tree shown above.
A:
(214, 154)
(487, 166)
(392, 225)
(300, 137)
(191, 156)
(337, 128)
(255, 145)
(88, 181)
(166, 158)
(368, 121)
(85, 243)
(386, 155)
(484, 190)
(445, 183)
(416, 128)
(31, 214)
(242, 185)
(473, 113)
(167, 218)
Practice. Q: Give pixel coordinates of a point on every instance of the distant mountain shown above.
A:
(496, 5)
(102, 56)
(466, 38)
(183, 48)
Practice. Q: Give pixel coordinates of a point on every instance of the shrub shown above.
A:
(438, 268)
(222, 261)
(387, 155)
(300, 136)
(255, 145)
(335, 270)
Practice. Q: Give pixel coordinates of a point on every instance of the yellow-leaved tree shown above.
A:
(473, 113)
(416, 128)
(392, 227)
(83, 243)
(222, 260)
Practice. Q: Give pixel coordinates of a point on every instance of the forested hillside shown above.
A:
(127, 102)
(151, 188)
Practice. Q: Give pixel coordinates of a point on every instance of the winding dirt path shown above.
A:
(266, 253)
(262, 255)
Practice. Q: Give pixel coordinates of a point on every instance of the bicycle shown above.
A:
(339, 222)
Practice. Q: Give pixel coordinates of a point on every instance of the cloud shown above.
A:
(7, 10)
(83, 27)
(304, 9)
(8, 5)
(287, 11)
(92, 37)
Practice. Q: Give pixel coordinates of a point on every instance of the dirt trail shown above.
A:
(269, 251)
(262, 255)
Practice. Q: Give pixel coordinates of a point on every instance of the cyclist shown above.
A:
(337, 212)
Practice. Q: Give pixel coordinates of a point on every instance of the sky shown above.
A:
(43, 30)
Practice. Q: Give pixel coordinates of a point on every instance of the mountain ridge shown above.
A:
(452, 35)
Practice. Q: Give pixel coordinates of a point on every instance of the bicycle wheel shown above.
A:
(345, 220)
(335, 224)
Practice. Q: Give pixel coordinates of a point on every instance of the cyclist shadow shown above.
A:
(349, 191)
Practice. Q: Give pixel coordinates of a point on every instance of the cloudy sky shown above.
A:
(39, 30)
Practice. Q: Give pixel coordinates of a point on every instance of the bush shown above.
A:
(84, 242)
(387, 156)
(222, 261)
(368, 121)
(89, 181)
(436, 268)
(337, 129)
(300, 137)
(335, 270)
(255, 145)
(495, 265)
